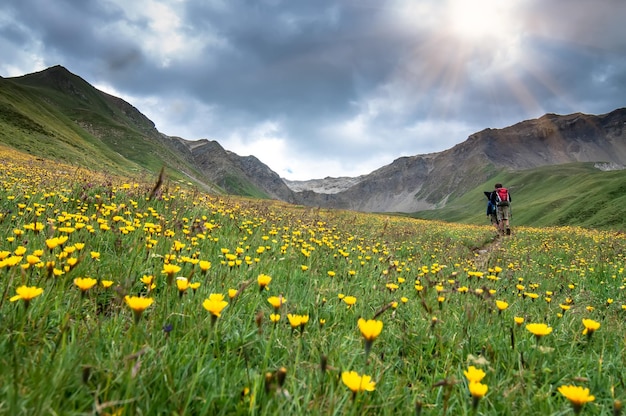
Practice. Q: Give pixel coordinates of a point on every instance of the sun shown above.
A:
(480, 20)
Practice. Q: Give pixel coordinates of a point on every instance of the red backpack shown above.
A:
(502, 196)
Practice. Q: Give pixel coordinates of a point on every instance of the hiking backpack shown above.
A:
(502, 196)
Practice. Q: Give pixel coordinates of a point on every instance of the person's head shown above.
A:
(498, 185)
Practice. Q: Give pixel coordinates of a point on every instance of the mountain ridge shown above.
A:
(92, 127)
(414, 183)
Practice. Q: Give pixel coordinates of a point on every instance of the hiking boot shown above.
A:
(508, 231)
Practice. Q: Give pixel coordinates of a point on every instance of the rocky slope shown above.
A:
(423, 182)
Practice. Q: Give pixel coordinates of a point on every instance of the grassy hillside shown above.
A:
(31, 122)
(57, 115)
(572, 194)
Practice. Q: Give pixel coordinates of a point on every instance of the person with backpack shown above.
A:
(501, 198)
(491, 210)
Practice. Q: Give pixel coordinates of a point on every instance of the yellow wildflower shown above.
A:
(577, 396)
(215, 304)
(263, 280)
(357, 383)
(473, 374)
(590, 326)
(85, 283)
(26, 293)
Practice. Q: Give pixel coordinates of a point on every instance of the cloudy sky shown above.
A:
(317, 88)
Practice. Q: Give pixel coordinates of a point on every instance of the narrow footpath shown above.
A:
(482, 254)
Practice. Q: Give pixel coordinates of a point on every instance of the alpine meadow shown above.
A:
(134, 281)
(125, 297)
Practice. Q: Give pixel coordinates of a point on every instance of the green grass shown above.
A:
(72, 122)
(572, 194)
(433, 285)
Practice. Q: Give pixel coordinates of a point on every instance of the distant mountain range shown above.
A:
(57, 114)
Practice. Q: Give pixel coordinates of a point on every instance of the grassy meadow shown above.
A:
(577, 194)
(125, 298)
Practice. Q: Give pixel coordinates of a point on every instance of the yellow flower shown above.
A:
(232, 293)
(349, 300)
(215, 304)
(138, 304)
(478, 390)
(32, 259)
(182, 284)
(276, 301)
(170, 270)
(577, 396)
(590, 326)
(204, 265)
(11, 261)
(370, 329)
(263, 280)
(52, 243)
(539, 330)
(26, 293)
(501, 305)
(85, 283)
(518, 320)
(473, 374)
(274, 317)
(297, 320)
(357, 383)
(106, 283)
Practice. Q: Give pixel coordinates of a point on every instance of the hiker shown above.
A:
(491, 210)
(501, 198)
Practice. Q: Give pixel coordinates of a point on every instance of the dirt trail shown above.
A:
(482, 254)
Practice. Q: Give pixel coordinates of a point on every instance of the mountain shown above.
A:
(54, 113)
(423, 182)
(236, 174)
(57, 114)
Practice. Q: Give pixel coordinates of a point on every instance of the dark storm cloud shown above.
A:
(305, 59)
(329, 87)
